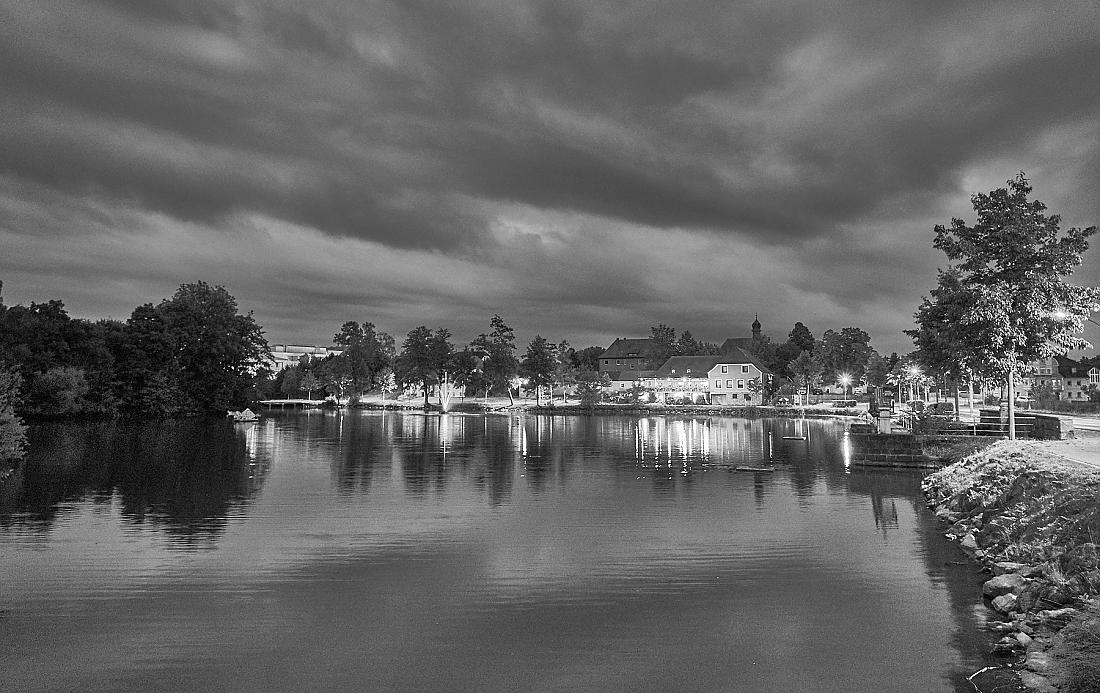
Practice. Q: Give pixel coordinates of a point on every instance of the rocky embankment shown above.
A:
(1033, 520)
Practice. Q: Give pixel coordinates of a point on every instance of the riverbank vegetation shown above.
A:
(193, 352)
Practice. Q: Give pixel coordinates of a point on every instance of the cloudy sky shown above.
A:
(586, 169)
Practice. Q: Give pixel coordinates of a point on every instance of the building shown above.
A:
(283, 355)
(622, 381)
(738, 378)
(1069, 379)
(682, 378)
(733, 344)
(731, 378)
(628, 355)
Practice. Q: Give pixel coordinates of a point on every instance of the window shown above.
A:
(607, 362)
(718, 384)
(725, 369)
(618, 362)
(631, 365)
(729, 383)
(748, 396)
(740, 384)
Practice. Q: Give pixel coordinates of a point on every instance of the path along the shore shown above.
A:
(1084, 449)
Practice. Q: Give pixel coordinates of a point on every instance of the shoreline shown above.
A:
(1028, 516)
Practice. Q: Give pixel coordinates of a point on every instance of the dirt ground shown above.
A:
(1083, 449)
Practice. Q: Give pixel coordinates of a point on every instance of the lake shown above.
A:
(374, 551)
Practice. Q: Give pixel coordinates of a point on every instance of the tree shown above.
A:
(538, 365)
(845, 352)
(498, 353)
(218, 351)
(802, 338)
(366, 353)
(664, 343)
(464, 369)
(590, 387)
(807, 369)
(58, 392)
(309, 383)
(12, 431)
(387, 382)
(1013, 262)
(564, 372)
(587, 359)
(424, 355)
(877, 370)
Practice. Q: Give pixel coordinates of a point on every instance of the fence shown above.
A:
(1026, 425)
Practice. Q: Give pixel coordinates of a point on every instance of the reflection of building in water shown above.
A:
(664, 442)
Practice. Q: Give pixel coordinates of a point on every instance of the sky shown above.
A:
(584, 169)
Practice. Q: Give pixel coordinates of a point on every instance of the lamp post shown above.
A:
(845, 381)
(914, 375)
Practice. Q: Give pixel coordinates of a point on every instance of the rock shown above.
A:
(969, 543)
(1004, 567)
(1004, 603)
(1008, 583)
(1036, 682)
(1006, 646)
(1024, 639)
(1038, 662)
(1057, 618)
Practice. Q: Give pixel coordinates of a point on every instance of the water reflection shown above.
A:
(552, 551)
(184, 477)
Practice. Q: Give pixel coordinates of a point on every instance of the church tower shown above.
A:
(756, 327)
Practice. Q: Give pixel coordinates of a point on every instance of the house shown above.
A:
(731, 378)
(622, 381)
(682, 378)
(628, 355)
(1069, 379)
(737, 378)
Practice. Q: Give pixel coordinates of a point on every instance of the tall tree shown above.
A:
(497, 350)
(802, 338)
(538, 365)
(366, 353)
(807, 369)
(424, 354)
(218, 351)
(1014, 261)
(664, 343)
(845, 352)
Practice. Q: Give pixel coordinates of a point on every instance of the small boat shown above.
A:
(754, 469)
(244, 416)
(794, 437)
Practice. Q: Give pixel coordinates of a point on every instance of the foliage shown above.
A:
(12, 431)
(59, 391)
(497, 349)
(538, 364)
(1011, 266)
(366, 353)
(217, 351)
(877, 370)
(424, 355)
(309, 382)
(1077, 649)
(802, 338)
(590, 387)
(806, 369)
(846, 351)
(587, 359)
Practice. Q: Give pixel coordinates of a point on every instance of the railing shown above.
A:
(941, 425)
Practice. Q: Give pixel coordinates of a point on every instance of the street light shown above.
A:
(845, 381)
(914, 376)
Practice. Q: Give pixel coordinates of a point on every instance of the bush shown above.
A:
(1077, 650)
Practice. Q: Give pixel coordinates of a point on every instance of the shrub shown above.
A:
(1078, 653)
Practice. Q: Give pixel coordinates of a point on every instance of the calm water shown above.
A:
(396, 552)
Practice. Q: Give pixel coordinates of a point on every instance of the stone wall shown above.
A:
(900, 449)
(1030, 424)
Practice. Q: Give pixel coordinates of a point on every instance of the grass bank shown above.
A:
(1032, 519)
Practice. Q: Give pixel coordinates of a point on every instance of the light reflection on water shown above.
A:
(372, 551)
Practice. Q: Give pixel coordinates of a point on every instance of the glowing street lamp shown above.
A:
(845, 381)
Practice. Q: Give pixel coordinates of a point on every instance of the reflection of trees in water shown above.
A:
(183, 476)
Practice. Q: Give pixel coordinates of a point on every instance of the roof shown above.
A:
(692, 366)
(630, 348)
(736, 343)
(628, 375)
(735, 354)
(1068, 368)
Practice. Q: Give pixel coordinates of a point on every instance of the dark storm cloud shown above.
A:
(816, 129)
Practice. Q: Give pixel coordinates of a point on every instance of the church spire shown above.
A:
(756, 326)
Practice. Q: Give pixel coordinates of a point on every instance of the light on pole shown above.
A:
(845, 381)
